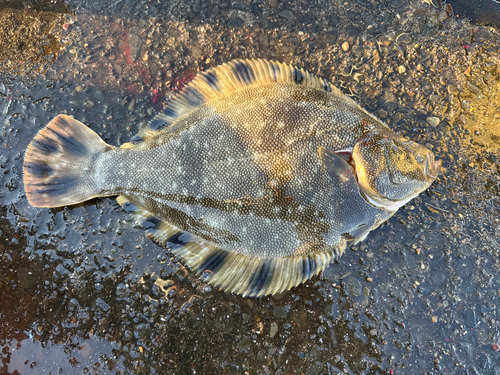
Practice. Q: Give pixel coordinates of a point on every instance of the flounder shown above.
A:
(257, 174)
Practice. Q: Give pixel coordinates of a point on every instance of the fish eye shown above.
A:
(419, 158)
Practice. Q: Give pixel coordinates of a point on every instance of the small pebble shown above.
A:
(274, 329)
(196, 52)
(434, 319)
(401, 69)
(345, 46)
(85, 350)
(433, 121)
(131, 105)
(235, 22)
(288, 14)
(280, 312)
(262, 41)
(196, 6)
(452, 90)
(88, 103)
(135, 43)
(382, 113)
(354, 287)
(435, 98)
(273, 3)
(239, 6)
(384, 41)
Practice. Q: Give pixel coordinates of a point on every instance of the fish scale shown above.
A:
(240, 174)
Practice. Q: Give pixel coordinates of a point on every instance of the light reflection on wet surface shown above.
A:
(84, 291)
(483, 119)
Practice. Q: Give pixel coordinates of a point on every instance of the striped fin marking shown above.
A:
(230, 271)
(58, 163)
(154, 226)
(254, 276)
(232, 76)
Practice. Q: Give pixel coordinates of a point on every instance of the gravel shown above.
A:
(84, 289)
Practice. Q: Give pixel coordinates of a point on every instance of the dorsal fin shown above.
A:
(228, 77)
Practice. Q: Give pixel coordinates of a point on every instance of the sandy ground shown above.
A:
(83, 290)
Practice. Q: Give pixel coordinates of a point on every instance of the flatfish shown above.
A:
(257, 175)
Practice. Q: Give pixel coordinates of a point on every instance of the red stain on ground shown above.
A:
(134, 77)
(133, 88)
(139, 66)
(181, 82)
(126, 50)
(155, 96)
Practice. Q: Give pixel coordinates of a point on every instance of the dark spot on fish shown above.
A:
(61, 122)
(193, 96)
(45, 147)
(174, 238)
(275, 69)
(169, 112)
(211, 80)
(312, 265)
(306, 269)
(39, 170)
(70, 144)
(327, 87)
(243, 72)
(130, 207)
(57, 186)
(214, 261)
(151, 223)
(297, 76)
(259, 278)
(154, 124)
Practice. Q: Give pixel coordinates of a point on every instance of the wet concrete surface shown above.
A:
(83, 291)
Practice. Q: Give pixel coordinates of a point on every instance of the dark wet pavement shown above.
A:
(83, 291)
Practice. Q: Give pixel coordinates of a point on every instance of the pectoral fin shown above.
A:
(336, 166)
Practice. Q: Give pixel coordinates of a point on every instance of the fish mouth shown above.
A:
(432, 168)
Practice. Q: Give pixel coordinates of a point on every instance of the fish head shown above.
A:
(391, 170)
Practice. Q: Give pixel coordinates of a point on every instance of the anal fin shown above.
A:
(156, 229)
(231, 271)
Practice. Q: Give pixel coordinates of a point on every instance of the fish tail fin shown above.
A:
(59, 164)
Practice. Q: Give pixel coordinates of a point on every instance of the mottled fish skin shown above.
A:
(265, 192)
(240, 172)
